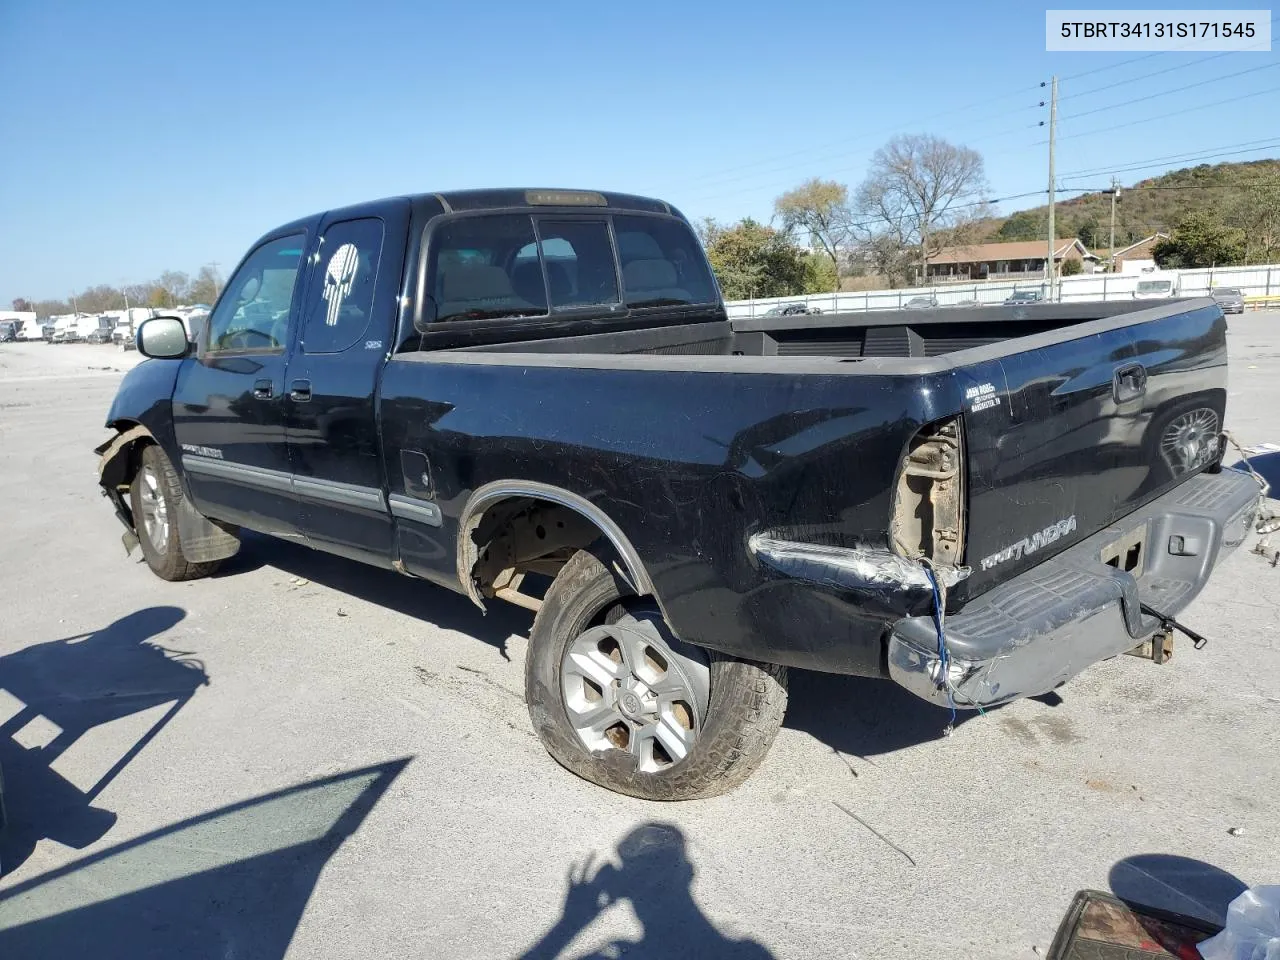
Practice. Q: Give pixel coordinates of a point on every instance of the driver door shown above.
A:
(228, 405)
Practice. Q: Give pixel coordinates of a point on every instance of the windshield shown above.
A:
(517, 265)
(1155, 286)
(1227, 292)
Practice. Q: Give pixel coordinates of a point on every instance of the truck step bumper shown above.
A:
(1032, 633)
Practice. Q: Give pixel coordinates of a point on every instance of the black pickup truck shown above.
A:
(497, 390)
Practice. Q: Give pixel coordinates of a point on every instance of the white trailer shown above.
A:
(33, 329)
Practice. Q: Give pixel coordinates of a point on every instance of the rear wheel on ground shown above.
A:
(619, 701)
(155, 497)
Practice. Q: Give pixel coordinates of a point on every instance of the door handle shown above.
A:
(300, 391)
(1129, 382)
(262, 390)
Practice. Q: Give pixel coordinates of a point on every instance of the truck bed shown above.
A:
(881, 334)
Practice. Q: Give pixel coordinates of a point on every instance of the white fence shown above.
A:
(1252, 281)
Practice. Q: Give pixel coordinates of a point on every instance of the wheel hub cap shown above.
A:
(626, 688)
(155, 510)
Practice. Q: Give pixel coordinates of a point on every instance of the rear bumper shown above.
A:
(1034, 632)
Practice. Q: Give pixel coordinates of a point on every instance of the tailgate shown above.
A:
(1066, 436)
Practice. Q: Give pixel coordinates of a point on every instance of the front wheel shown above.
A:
(619, 701)
(155, 497)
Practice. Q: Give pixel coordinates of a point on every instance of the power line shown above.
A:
(1144, 76)
(862, 137)
(1164, 116)
(1251, 185)
(1173, 90)
(1252, 145)
(1114, 66)
(774, 182)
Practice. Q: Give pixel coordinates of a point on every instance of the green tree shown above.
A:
(1024, 225)
(819, 274)
(752, 260)
(1089, 233)
(820, 209)
(1070, 268)
(1201, 240)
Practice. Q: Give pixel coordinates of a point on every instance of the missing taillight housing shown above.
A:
(928, 506)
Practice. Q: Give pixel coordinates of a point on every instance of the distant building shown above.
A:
(1018, 260)
(1136, 257)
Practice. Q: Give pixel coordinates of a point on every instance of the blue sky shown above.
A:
(143, 136)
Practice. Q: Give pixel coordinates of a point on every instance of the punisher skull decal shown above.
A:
(339, 275)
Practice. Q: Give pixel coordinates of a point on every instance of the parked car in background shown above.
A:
(920, 303)
(8, 331)
(1024, 296)
(791, 310)
(1230, 299)
(100, 335)
(1157, 287)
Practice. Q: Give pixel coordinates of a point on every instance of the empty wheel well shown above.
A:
(120, 458)
(504, 538)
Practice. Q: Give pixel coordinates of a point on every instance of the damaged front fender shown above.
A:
(202, 540)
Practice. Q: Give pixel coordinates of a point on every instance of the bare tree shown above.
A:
(821, 209)
(919, 187)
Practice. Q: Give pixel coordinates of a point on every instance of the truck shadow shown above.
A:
(68, 688)
(855, 715)
(412, 597)
(863, 716)
(231, 883)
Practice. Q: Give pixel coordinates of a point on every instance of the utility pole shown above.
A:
(1111, 250)
(1053, 128)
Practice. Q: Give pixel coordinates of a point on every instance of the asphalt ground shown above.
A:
(306, 757)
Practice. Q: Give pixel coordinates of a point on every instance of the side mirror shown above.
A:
(426, 315)
(163, 338)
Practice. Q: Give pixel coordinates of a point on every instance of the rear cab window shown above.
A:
(503, 266)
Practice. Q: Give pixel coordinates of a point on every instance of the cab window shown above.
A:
(662, 264)
(478, 274)
(253, 313)
(339, 300)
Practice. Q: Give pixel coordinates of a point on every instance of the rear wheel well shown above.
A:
(504, 539)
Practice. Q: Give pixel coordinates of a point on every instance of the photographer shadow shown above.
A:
(655, 877)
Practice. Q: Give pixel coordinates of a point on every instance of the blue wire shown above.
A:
(944, 658)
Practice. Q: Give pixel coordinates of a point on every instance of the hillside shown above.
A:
(1156, 204)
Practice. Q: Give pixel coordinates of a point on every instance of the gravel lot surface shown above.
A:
(306, 757)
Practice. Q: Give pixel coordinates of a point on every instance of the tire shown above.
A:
(155, 496)
(726, 721)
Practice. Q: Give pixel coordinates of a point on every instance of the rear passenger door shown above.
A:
(347, 317)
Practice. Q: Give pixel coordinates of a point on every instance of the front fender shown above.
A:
(145, 396)
(142, 413)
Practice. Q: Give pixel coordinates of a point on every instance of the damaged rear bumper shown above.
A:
(1034, 632)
